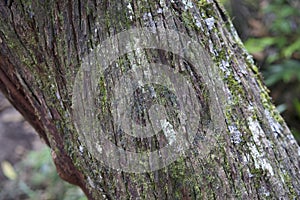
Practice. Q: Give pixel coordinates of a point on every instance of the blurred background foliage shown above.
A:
(35, 178)
(270, 30)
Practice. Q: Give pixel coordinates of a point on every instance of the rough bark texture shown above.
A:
(42, 44)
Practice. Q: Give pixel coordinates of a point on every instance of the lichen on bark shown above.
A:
(253, 153)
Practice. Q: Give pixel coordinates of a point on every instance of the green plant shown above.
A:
(286, 71)
(282, 22)
(278, 52)
(37, 179)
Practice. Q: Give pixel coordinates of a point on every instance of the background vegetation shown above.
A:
(35, 178)
(270, 30)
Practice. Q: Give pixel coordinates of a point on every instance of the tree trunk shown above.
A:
(234, 143)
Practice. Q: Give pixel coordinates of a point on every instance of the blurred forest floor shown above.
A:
(26, 170)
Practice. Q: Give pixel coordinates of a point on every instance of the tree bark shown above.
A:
(242, 149)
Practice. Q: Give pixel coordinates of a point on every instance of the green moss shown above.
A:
(206, 7)
(255, 69)
(188, 20)
(268, 105)
(257, 173)
(288, 181)
(178, 172)
(103, 94)
(236, 88)
(203, 3)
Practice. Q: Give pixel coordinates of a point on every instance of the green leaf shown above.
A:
(281, 26)
(292, 48)
(285, 11)
(254, 45)
(281, 41)
(285, 71)
(273, 58)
